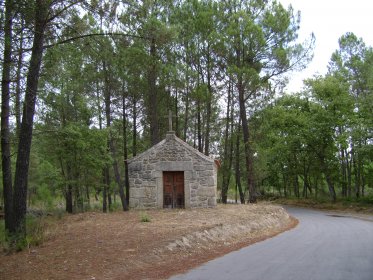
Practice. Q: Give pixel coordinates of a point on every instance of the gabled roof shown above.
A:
(171, 137)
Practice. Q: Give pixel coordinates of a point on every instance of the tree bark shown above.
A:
(356, 172)
(296, 185)
(106, 183)
(284, 179)
(24, 147)
(134, 127)
(329, 180)
(199, 127)
(153, 98)
(186, 114)
(226, 167)
(238, 169)
(245, 126)
(208, 105)
(111, 146)
(117, 176)
(17, 102)
(357, 167)
(349, 176)
(344, 172)
(177, 128)
(5, 112)
(246, 139)
(306, 183)
(125, 151)
(106, 189)
(69, 190)
(330, 187)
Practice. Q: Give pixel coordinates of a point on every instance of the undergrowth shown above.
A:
(2, 234)
(362, 204)
(144, 217)
(37, 230)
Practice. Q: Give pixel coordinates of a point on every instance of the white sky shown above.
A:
(329, 20)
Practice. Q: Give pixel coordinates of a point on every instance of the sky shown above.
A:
(329, 20)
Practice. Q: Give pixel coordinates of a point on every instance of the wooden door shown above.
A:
(173, 189)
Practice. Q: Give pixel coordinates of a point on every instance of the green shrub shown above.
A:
(35, 235)
(115, 206)
(36, 228)
(97, 206)
(42, 198)
(2, 234)
(144, 217)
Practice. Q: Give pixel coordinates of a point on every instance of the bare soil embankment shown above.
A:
(120, 246)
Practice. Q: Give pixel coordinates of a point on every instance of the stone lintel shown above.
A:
(174, 166)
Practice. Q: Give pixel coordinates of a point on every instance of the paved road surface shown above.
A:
(321, 247)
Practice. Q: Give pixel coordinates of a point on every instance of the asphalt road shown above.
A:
(322, 247)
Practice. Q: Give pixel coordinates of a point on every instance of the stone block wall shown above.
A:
(172, 154)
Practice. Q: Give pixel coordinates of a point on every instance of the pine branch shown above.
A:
(93, 35)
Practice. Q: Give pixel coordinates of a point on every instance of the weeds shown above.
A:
(2, 234)
(36, 233)
(144, 217)
(363, 204)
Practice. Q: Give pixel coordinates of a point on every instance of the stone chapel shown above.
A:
(172, 174)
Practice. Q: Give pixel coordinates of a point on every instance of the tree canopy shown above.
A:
(88, 84)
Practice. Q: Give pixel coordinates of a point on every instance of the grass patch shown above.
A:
(38, 229)
(35, 226)
(144, 217)
(2, 234)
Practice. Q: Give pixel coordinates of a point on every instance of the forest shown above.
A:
(87, 85)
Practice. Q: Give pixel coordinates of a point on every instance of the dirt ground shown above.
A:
(121, 246)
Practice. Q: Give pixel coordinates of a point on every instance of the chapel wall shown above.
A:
(146, 176)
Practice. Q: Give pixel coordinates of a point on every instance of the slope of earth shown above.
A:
(120, 246)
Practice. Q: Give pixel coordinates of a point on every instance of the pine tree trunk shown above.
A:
(344, 172)
(296, 185)
(237, 168)
(330, 187)
(69, 199)
(106, 182)
(357, 174)
(111, 146)
(125, 151)
(117, 176)
(362, 185)
(5, 112)
(69, 190)
(246, 139)
(329, 180)
(285, 184)
(349, 176)
(226, 168)
(106, 189)
(134, 128)
(109, 200)
(208, 105)
(25, 138)
(87, 192)
(186, 114)
(153, 96)
(199, 127)
(17, 102)
(177, 127)
(187, 100)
